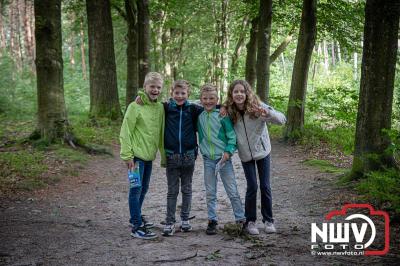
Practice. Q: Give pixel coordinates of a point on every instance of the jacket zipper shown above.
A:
(180, 131)
(209, 137)
(247, 138)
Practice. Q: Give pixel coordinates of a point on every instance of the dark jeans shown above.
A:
(179, 168)
(263, 167)
(136, 195)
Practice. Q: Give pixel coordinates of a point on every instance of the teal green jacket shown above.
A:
(216, 135)
(142, 131)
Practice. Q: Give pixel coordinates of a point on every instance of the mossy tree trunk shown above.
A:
(104, 101)
(263, 49)
(376, 89)
(298, 88)
(52, 115)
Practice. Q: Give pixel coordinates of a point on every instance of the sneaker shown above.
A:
(147, 223)
(269, 228)
(169, 230)
(185, 226)
(212, 227)
(144, 233)
(252, 229)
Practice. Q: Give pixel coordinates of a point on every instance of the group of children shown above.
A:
(171, 127)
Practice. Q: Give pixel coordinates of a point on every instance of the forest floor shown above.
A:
(83, 220)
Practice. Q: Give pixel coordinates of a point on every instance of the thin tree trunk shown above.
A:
(72, 51)
(339, 53)
(28, 30)
(333, 54)
(283, 65)
(83, 54)
(2, 31)
(144, 39)
(224, 47)
(132, 58)
(326, 56)
(264, 44)
(355, 66)
(104, 101)
(52, 115)
(251, 57)
(298, 88)
(376, 89)
(239, 46)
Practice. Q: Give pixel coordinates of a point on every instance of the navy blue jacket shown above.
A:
(180, 127)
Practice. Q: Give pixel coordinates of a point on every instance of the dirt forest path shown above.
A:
(84, 220)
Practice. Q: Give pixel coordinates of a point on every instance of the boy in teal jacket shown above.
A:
(217, 142)
(142, 134)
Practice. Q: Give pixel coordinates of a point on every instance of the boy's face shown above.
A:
(209, 100)
(180, 95)
(153, 89)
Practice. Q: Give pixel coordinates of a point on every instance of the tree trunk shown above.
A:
(132, 78)
(144, 39)
(355, 66)
(326, 56)
(333, 54)
(238, 48)
(224, 48)
(71, 49)
(339, 53)
(2, 31)
(376, 88)
(281, 48)
(264, 43)
(251, 56)
(298, 88)
(83, 54)
(52, 116)
(104, 101)
(28, 30)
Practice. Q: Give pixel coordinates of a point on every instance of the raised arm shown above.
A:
(273, 116)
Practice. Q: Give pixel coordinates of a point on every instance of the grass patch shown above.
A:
(382, 188)
(22, 169)
(71, 155)
(324, 166)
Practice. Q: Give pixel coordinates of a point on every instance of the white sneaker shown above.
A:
(252, 228)
(269, 228)
(169, 230)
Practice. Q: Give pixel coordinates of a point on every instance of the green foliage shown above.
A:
(382, 188)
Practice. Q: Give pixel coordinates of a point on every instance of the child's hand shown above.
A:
(257, 109)
(130, 164)
(223, 111)
(138, 100)
(225, 157)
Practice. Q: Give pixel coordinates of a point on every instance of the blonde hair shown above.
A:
(249, 104)
(208, 88)
(153, 76)
(180, 83)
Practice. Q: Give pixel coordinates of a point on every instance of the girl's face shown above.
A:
(180, 95)
(153, 89)
(239, 95)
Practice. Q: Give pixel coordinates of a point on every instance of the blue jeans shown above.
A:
(228, 179)
(179, 167)
(137, 194)
(263, 167)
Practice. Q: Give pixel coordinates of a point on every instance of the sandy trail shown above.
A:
(84, 220)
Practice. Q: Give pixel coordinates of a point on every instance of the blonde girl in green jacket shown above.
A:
(142, 134)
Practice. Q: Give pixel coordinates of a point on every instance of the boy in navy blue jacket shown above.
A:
(180, 145)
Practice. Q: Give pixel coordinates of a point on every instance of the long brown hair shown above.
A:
(249, 104)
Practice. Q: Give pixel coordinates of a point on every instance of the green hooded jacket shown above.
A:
(142, 131)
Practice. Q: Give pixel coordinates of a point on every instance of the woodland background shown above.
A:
(69, 69)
